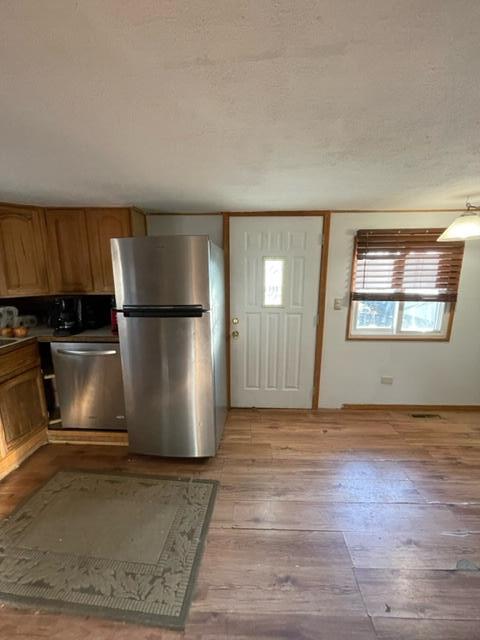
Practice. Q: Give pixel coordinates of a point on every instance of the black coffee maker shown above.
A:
(66, 316)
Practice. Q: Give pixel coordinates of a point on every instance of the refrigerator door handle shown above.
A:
(179, 311)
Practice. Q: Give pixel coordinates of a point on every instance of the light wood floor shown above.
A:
(328, 525)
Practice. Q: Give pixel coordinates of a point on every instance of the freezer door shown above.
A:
(168, 382)
(89, 385)
(161, 270)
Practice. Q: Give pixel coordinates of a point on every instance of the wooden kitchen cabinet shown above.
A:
(68, 251)
(61, 250)
(102, 225)
(23, 412)
(22, 407)
(23, 260)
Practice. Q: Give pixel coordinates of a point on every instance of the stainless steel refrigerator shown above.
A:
(171, 321)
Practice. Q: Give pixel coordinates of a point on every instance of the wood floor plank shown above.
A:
(298, 627)
(345, 450)
(446, 482)
(441, 595)
(440, 470)
(450, 492)
(277, 549)
(402, 629)
(306, 488)
(373, 470)
(454, 453)
(305, 572)
(411, 550)
(468, 515)
(273, 514)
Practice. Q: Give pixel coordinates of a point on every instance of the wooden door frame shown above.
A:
(322, 286)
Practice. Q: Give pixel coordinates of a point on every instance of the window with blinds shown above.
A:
(404, 284)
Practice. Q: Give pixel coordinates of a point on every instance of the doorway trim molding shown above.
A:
(322, 287)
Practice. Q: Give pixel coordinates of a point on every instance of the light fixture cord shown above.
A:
(471, 207)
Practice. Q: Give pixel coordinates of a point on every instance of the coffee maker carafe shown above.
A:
(66, 316)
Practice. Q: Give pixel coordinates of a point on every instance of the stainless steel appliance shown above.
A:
(170, 301)
(89, 385)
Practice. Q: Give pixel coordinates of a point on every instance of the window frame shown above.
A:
(399, 335)
(395, 334)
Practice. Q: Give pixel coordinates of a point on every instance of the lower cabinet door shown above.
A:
(22, 407)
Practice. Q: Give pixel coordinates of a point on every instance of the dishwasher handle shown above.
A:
(90, 352)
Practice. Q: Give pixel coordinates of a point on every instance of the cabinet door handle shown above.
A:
(79, 352)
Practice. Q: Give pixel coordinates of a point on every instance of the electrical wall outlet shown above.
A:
(386, 379)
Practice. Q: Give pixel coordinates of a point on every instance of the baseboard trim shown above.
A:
(80, 436)
(252, 409)
(18, 455)
(412, 407)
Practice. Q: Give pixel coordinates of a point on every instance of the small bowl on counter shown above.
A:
(16, 332)
(21, 332)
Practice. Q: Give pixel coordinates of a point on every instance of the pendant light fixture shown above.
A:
(464, 227)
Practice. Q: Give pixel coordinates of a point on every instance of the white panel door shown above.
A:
(274, 279)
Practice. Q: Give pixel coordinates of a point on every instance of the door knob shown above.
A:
(234, 320)
(235, 334)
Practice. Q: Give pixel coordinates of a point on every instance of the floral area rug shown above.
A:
(121, 546)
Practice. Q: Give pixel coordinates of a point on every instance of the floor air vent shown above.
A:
(432, 416)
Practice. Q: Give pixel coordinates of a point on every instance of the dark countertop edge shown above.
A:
(79, 337)
(101, 334)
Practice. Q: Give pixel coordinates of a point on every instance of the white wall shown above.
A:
(175, 224)
(423, 372)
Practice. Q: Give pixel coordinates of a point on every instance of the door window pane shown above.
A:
(273, 270)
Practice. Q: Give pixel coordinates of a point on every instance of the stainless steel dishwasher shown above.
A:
(89, 385)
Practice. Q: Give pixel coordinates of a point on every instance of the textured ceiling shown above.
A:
(202, 105)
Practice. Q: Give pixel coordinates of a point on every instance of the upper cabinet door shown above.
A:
(102, 225)
(23, 269)
(69, 254)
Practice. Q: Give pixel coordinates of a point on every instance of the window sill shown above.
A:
(398, 338)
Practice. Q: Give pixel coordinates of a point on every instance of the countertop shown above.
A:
(45, 334)
(13, 343)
